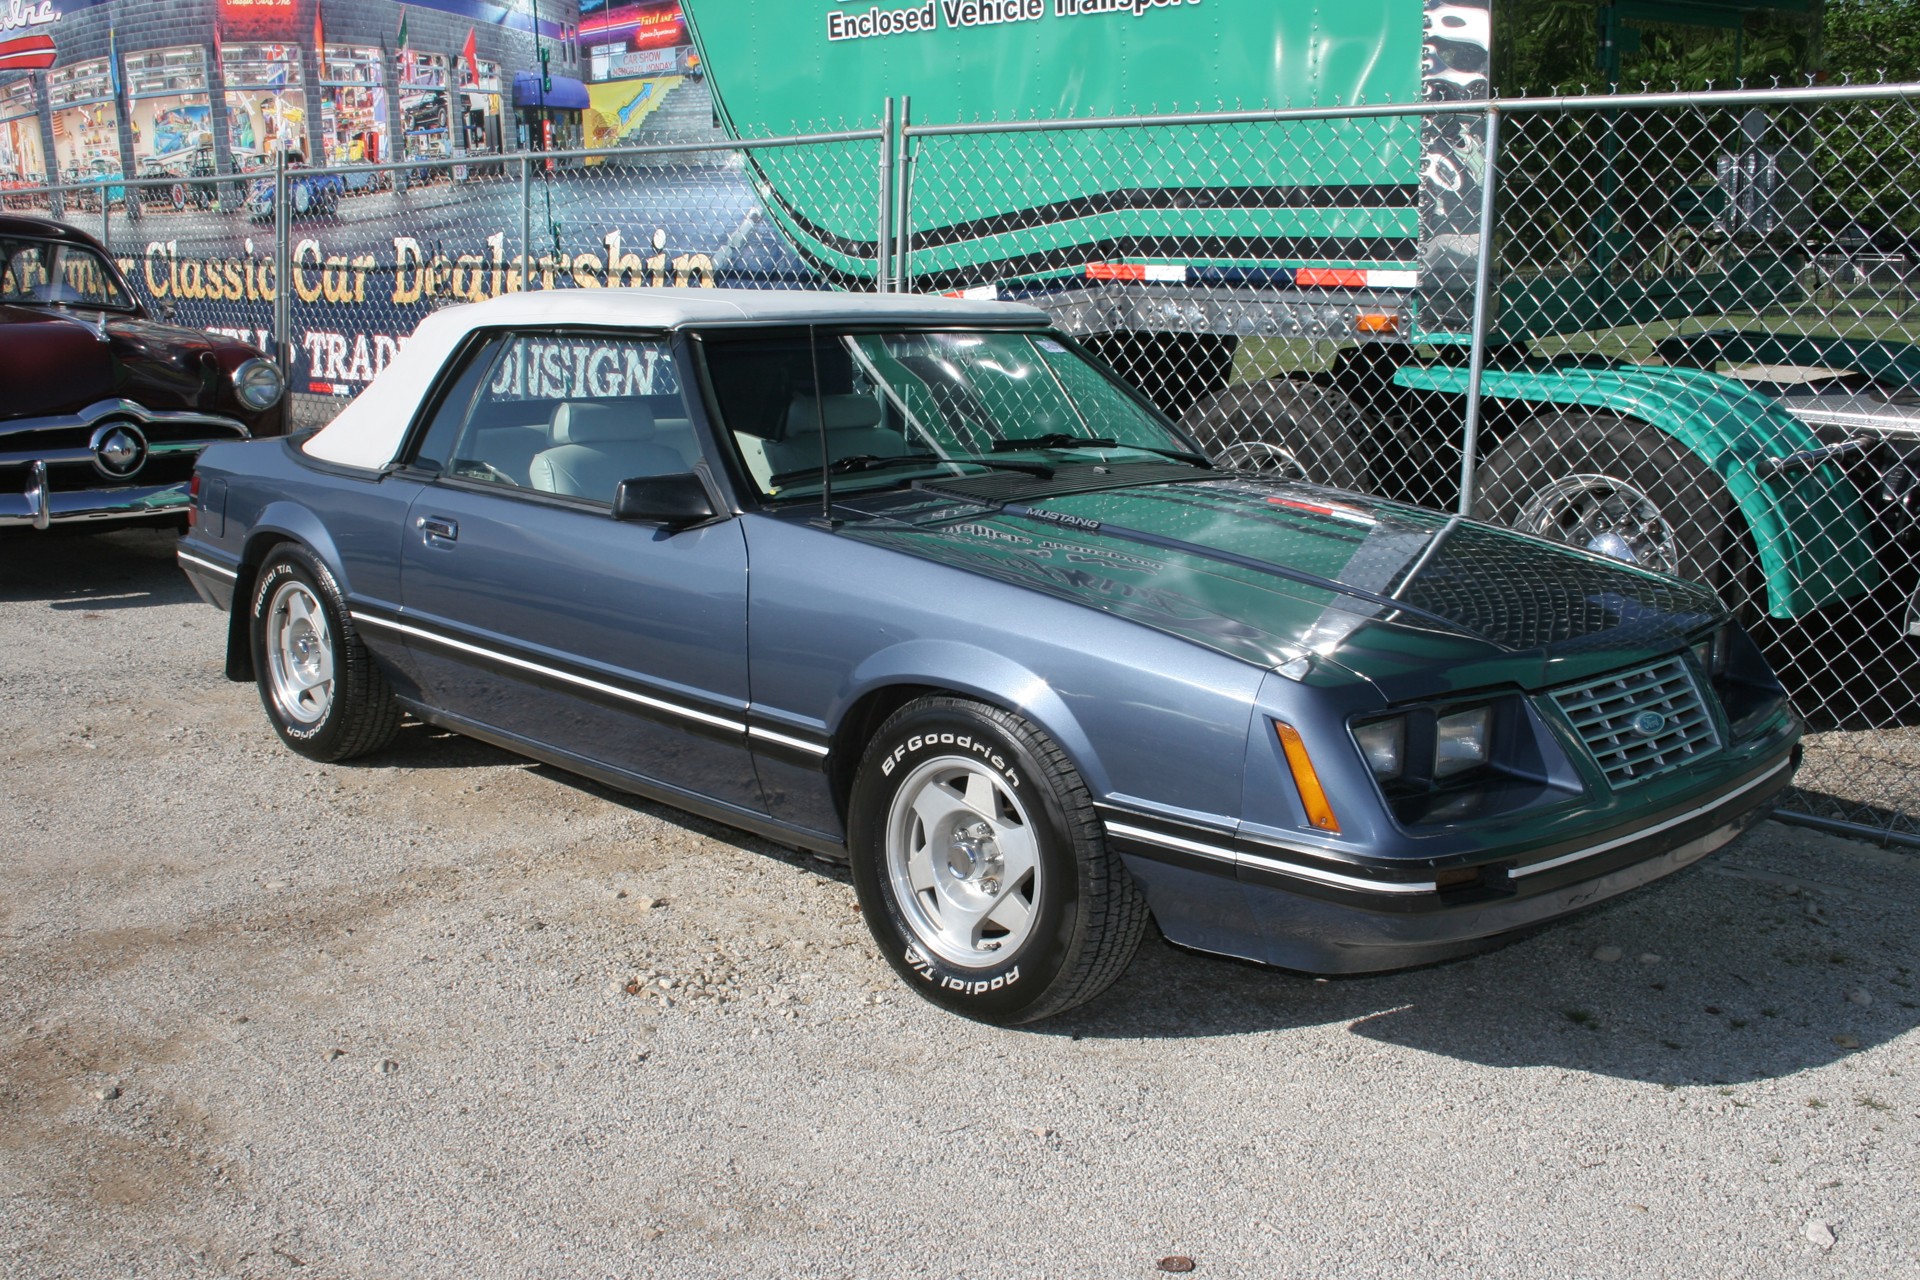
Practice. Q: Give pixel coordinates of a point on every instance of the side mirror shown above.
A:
(674, 501)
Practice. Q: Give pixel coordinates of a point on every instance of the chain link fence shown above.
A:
(1691, 345)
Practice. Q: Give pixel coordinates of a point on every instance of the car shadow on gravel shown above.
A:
(1754, 981)
(420, 746)
(128, 569)
(1754, 989)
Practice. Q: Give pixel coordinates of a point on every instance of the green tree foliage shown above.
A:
(1868, 40)
(1553, 46)
(1641, 182)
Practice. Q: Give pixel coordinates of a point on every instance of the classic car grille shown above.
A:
(1641, 723)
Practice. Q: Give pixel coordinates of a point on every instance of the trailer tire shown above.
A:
(1286, 427)
(1610, 484)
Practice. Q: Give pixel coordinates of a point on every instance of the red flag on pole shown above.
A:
(319, 40)
(471, 52)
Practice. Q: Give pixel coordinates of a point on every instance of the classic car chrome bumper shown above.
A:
(117, 439)
(42, 507)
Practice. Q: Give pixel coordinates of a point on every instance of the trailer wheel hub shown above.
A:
(1604, 515)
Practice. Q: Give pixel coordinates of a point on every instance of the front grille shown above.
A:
(1615, 718)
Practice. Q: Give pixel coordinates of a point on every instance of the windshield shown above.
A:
(48, 272)
(898, 407)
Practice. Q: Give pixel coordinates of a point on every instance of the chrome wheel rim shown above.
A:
(1604, 515)
(299, 654)
(964, 862)
(1265, 458)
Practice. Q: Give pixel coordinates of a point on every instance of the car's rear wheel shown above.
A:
(322, 691)
(981, 867)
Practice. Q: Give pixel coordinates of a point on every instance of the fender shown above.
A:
(282, 521)
(277, 522)
(1812, 531)
(979, 673)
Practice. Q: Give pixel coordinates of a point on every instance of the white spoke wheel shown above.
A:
(981, 867)
(321, 689)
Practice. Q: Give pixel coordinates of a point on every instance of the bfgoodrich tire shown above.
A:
(322, 692)
(1613, 485)
(981, 867)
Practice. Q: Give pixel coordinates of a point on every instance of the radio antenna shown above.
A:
(820, 422)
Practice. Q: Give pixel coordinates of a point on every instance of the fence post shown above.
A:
(883, 232)
(1482, 307)
(526, 221)
(282, 267)
(903, 187)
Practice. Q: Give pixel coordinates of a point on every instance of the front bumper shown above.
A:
(51, 469)
(1238, 898)
(41, 506)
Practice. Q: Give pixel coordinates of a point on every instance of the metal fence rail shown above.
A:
(1673, 326)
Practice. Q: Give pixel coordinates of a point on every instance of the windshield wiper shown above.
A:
(1062, 440)
(875, 462)
(1054, 440)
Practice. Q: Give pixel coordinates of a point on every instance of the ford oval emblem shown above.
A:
(1648, 723)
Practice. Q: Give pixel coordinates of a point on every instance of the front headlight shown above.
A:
(258, 384)
(1712, 652)
(1460, 741)
(1384, 744)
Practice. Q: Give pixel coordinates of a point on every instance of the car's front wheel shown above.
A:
(981, 867)
(324, 695)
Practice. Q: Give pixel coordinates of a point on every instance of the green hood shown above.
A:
(1265, 571)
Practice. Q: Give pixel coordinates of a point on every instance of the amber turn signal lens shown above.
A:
(1312, 795)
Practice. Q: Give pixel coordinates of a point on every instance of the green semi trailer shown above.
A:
(1358, 230)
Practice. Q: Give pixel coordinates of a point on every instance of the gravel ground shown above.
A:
(447, 1013)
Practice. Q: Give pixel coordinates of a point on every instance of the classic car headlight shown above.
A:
(1712, 651)
(258, 383)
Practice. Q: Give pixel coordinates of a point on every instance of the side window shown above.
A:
(570, 414)
(778, 395)
(436, 443)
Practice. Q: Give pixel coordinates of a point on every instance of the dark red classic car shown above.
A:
(105, 409)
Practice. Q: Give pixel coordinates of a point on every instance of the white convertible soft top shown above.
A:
(369, 431)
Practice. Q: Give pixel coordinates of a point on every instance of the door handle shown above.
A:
(439, 527)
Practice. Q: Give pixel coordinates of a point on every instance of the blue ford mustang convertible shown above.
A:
(913, 582)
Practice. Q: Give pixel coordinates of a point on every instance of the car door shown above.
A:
(532, 612)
